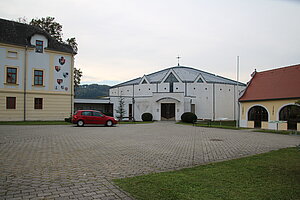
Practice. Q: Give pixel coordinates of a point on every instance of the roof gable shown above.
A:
(16, 33)
(281, 83)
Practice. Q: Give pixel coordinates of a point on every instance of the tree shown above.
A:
(54, 29)
(48, 24)
(77, 77)
(72, 42)
(121, 109)
(22, 20)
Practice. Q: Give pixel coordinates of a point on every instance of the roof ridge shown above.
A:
(281, 68)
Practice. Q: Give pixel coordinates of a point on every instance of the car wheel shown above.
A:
(80, 123)
(109, 123)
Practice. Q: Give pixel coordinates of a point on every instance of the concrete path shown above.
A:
(66, 162)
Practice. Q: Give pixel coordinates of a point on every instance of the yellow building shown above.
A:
(36, 74)
(269, 101)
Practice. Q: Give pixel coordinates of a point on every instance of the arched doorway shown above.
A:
(291, 114)
(257, 114)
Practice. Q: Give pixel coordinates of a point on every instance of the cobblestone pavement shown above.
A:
(66, 162)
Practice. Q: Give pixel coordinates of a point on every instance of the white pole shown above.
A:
(237, 91)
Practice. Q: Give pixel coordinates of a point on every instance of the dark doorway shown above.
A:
(291, 114)
(257, 114)
(130, 112)
(168, 111)
(193, 109)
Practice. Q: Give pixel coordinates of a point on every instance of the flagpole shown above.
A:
(237, 91)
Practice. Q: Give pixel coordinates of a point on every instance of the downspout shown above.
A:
(72, 84)
(25, 80)
(133, 101)
(214, 99)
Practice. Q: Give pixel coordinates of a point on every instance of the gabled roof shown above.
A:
(281, 83)
(186, 74)
(16, 33)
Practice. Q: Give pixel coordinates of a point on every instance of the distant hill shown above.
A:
(92, 91)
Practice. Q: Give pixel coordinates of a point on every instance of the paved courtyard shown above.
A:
(66, 162)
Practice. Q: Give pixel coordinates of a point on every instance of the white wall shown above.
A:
(207, 97)
(13, 62)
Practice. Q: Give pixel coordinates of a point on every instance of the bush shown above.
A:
(69, 119)
(188, 117)
(147, 117)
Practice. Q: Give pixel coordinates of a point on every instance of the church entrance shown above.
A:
(168, 111)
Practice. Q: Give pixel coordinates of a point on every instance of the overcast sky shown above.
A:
(124, 39)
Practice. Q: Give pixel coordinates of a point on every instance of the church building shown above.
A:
(168, 93)
(36, 74)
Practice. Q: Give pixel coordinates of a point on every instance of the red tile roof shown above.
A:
(281, 83)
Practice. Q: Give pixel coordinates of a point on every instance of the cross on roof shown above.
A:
(178, 57)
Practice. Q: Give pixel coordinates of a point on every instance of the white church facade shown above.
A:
(168, 93)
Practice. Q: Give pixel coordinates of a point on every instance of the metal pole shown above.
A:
(237, 91)
(25, 80)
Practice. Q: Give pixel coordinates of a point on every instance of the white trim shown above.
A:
(198, 77)
(144, 78)
(279, 109)
(174, 73)
(257, 105)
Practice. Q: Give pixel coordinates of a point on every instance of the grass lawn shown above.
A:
(36, 123)
(278, 132)
(273, 175)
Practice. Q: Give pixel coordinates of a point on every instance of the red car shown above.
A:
(82, 117)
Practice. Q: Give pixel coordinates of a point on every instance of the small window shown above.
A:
(39, 46)
(144, 82)
(10, 102)
(11, 76)
(86, 113)
(200, 80)
(38, 77)
(97, 114)
(205, 88)
(149, 89)
(12, 54)
(38, 103)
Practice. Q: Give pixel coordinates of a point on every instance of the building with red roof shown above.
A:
(269, 101)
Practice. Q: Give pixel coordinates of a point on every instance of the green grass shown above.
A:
(139, 122)
(278, 132)
(274, 175)
(215, 124)
(36, 123)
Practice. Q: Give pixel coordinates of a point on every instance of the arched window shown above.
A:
(291, 114)
(257, 114)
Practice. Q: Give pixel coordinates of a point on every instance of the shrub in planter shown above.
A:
(188, 117)
(147, 117)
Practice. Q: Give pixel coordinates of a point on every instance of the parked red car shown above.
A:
(82, 117)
